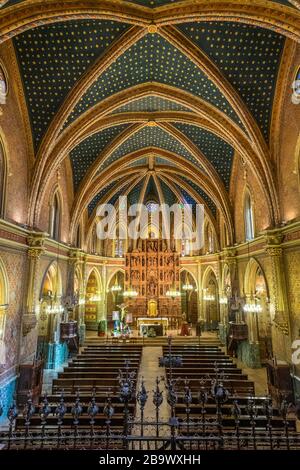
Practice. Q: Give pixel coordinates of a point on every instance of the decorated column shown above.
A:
(36, 249)
(279, 306)
(82, 300)
(230, 261)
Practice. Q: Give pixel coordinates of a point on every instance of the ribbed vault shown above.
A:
(152, 94)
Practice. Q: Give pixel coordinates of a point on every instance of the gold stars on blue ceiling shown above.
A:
(151, 104)
(187, 198)
(215, 149)
(134, 194)
(11, 3)
(84, 154)
(283, 2)
(53, 57)
(248, 56)
(151, 191)
(140, 162)
(119, 193)
(148, 137)
(202, 194)
(163, 161)
(168, 195)
(153, 59)
(100, 196)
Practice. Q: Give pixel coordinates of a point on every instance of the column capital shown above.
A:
(229, 253)
(36, 244)
(273, 237)
(75, 256)
(275, 251)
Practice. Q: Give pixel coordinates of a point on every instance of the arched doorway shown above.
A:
(259, 322)
(50, 310)
(3, 175)
(4, 290)
(79, 295)
(226, 296)
(189, 296)
(50, 307)
(210, 300)
(93, 299)
(114, 296)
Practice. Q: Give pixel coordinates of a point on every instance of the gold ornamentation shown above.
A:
(274, 251)
(29, 322)
(152, 29)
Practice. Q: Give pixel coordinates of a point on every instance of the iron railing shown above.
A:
(76, 425)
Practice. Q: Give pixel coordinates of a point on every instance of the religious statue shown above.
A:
(152, 288)
(152, 308)
(184, 326)
(123, 308)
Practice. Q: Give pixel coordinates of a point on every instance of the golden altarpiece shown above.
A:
(152, 270)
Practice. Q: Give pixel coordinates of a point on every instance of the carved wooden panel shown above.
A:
(153, 269)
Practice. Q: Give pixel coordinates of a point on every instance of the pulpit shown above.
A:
(68, 334)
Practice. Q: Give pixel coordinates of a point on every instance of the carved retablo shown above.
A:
(152, 269)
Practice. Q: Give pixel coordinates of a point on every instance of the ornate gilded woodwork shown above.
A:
(152, 269)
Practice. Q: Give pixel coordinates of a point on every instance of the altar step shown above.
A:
(158, 341)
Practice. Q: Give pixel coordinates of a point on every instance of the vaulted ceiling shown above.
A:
(142, 103)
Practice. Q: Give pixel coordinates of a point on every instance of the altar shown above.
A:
(152, 269)
(143, 322)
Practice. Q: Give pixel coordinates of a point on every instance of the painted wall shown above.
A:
(63, 181)
(240, 180)
(15, 133)
(288, 149)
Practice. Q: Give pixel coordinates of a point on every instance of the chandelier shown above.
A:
(187, 286)
(209, 297)
(116, 287)
(55, 309)
(95, 298)
(130, 292)
(223, 301)
(252, 308)
(173, 293)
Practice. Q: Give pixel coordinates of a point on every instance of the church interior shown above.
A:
(161, 103)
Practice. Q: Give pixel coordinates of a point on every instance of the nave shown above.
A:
(167, 394)
(149, 187)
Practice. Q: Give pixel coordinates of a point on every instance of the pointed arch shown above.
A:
(252, 272)
(51, 284)
(226, 281)
(4, 301)
(93, 299)
(210, 298)
(3, 178)
(248, 211)
(55, 216)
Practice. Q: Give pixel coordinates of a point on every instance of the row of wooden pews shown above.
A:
(202, 364)
(94, 373)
